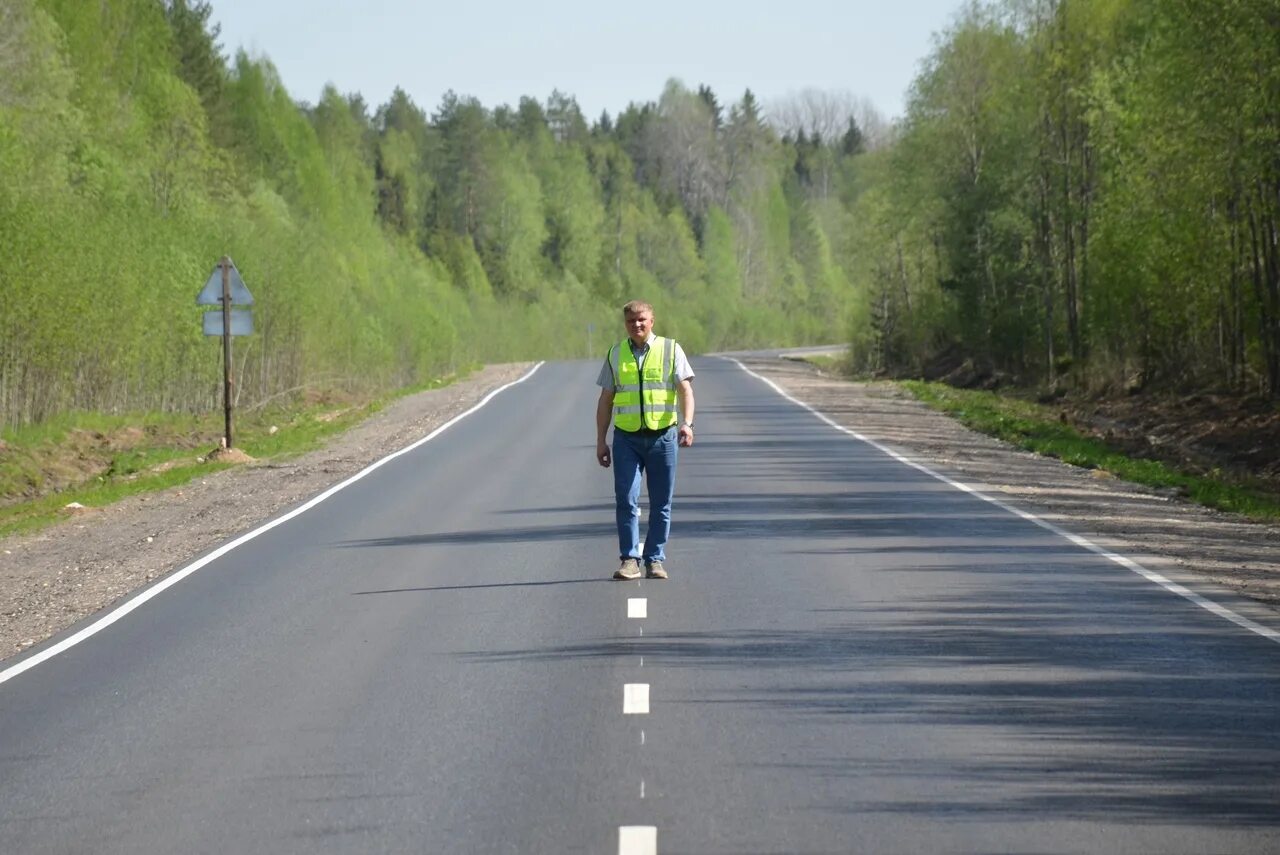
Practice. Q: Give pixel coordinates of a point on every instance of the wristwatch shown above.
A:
(689, 425)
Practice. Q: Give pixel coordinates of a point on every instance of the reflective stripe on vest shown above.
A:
(644, 401)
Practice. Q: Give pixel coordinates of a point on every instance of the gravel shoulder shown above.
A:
(58, 577)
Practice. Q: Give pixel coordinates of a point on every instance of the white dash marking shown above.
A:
(638, 840)
(641, 661)
(642, 789)
(635, 698)
(637, 607)
(642, 737)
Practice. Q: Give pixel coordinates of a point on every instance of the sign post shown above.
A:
(225, 288)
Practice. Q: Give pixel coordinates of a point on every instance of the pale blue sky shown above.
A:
(604, 54)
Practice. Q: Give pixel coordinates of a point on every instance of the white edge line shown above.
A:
(178, 575)
(1127, 563)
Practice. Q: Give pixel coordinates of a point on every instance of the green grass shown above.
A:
(35, 514)
(1037, 428)
(169, 452)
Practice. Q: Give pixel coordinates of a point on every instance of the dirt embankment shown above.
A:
(1203, 433)
(1207, 432)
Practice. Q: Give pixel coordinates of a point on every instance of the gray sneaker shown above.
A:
(654, 570)
(630, 569)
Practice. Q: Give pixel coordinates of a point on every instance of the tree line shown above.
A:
(1083, 193)
(384, 245)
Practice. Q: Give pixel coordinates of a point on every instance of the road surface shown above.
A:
(851, 656)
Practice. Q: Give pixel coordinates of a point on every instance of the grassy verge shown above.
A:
(1037, 428)
(95, 460)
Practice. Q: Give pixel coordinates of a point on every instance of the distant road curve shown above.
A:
(789, 352)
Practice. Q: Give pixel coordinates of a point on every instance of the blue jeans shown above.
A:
(635, 454)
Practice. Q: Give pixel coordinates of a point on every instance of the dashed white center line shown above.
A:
(638, 840)
(635, 698)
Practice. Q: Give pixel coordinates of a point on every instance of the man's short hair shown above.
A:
(635, 307)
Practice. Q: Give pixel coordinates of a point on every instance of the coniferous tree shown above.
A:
(200, 62)
(853, 142)
(709, 98)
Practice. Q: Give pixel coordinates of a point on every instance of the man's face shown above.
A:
(638, 326)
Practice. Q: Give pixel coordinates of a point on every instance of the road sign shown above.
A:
(241, 322)
(225, 288)
(211, 294)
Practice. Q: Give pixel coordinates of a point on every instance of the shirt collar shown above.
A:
(645, 346)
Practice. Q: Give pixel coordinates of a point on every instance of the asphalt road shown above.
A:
(851, 656)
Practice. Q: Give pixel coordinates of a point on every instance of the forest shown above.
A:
(1082, 194)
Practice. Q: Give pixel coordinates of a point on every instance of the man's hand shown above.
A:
(604, 415)
(684, 391)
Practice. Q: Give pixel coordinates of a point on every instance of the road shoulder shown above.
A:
(1212, 550)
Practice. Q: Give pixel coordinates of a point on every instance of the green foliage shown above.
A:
(383, 247)
(200, 63)
(723, 294)
(1083, 188)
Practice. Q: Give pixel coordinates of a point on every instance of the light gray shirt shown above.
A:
(684, 371)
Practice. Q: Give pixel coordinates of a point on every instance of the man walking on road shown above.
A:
(641, 382)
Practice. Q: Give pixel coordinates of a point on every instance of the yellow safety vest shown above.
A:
(644, 399)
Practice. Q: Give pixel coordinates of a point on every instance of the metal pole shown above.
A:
(226, 343)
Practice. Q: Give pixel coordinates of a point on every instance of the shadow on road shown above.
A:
(491, 585)
(1148, 735)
